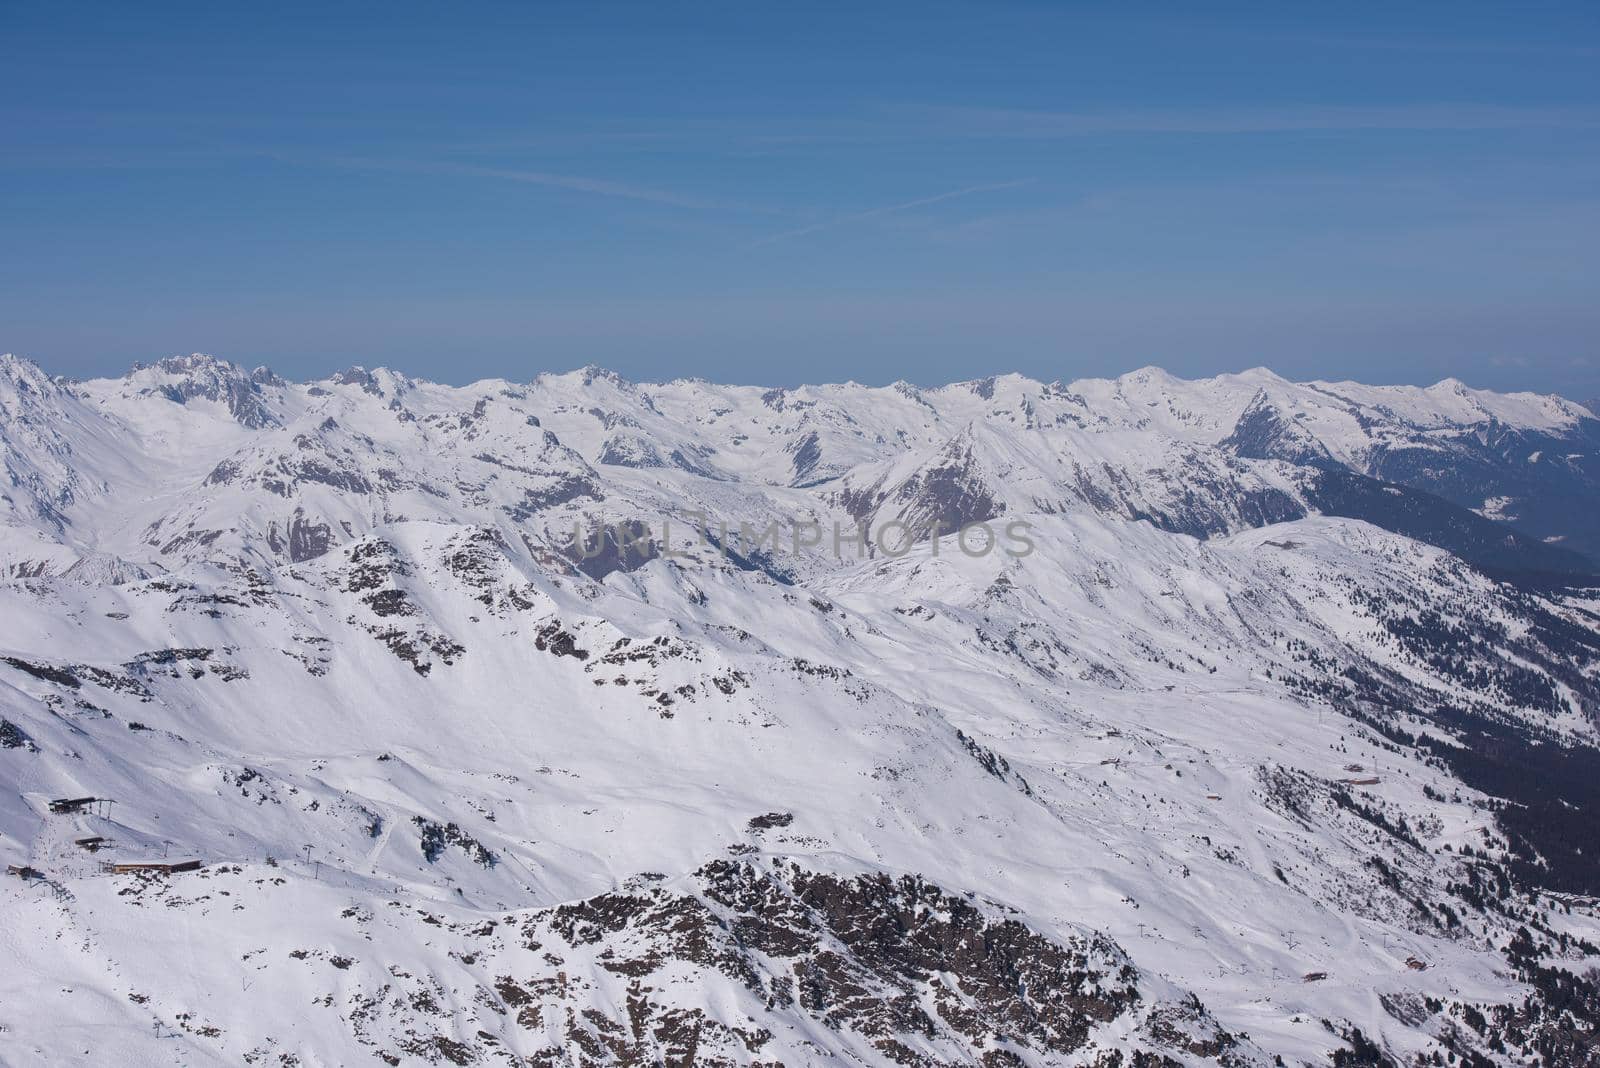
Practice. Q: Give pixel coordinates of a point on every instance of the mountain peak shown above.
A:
(1150, 374)
(198, 363)
(202, 376)
(586, 377)
(377, 382)
(20, 368)
(592, 373)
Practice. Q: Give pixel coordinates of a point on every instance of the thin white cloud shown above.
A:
(1002, 122)
(573, 182)
(872, 213)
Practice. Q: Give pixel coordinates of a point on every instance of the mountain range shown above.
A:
(579, 721)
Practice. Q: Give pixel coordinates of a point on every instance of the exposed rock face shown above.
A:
(208, 378)
(630, 450)
(807, 455)
(1264, 433)
(305, 540)
(360, 377)
(952, 492)
(897, 964)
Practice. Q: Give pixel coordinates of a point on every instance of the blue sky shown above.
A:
(782, 193)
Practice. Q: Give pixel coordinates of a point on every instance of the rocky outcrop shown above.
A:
(895, 964)
(199, 376)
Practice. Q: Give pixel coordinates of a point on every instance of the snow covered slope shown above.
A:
(1208, 770)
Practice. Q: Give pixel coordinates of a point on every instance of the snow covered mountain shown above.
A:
(587, 722)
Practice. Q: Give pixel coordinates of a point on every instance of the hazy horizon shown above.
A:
(462, 381)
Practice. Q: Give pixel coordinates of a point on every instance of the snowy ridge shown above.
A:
(1208, 777)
